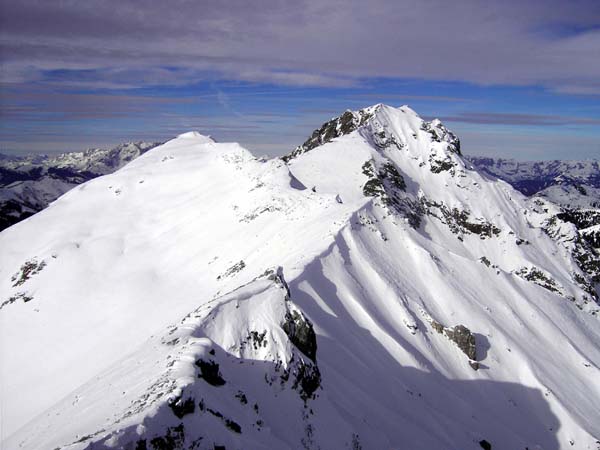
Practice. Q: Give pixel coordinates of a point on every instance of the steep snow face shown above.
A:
(418, 304)
(29, 184)
(574, 186)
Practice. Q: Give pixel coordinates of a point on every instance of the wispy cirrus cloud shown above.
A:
(26, 103)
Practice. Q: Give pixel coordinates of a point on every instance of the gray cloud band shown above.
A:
(314, 43)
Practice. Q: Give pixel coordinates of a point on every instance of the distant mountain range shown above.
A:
(568, 183)
(29, 184)
(572, 185)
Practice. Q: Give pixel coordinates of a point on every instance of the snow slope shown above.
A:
(369, 290)
(28, 184)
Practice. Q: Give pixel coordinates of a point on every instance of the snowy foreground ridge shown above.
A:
(368, 291)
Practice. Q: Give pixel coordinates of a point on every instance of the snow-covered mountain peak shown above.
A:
(196, 136)
(386, 126)
(393, 155)
(194, 148)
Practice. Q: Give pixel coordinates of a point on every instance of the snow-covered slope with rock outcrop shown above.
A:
(369, 291)
(574, 186)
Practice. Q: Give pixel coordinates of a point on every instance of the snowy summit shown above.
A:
(369, 290)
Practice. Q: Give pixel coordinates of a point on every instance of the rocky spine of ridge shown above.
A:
(336, 127)
(351, 121)
(214, 389)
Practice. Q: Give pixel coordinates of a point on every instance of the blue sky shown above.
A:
(513, 80)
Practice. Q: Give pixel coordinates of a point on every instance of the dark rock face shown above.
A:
(592, 237)
(300, 331)
(172, 440)
(587, 259)
(182, 407)
(276, 275)
(581, 218)
(229, 423)
(538, 277)
(439, 133)
(387, 184)
(308, 379)
(384, 140)
(20, 295)
(584, 253)
(389, 173)
(336, 127)
(233, 426)
(584, 220)
(464, 339)
(28, 269)
(256, 339)
(474, 365)
(383, 183)
(237, 267)
(460, 221)
(485, 445)
(210, 372)
(441, 165)
(437, 327)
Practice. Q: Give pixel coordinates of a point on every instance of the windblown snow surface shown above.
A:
(367, 291)
(29, 183)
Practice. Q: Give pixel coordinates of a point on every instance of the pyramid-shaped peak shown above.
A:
(365, 115)
(376, 119)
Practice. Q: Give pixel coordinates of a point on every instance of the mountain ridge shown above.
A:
(448, 310)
